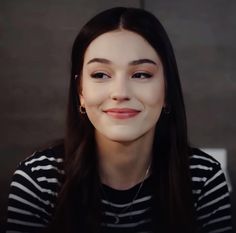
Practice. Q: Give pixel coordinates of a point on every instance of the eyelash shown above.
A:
(144, 75)
(99, 74)
(137, 75)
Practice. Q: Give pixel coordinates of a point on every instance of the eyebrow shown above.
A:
(134, 63)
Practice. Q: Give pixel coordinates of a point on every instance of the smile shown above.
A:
(122, 113)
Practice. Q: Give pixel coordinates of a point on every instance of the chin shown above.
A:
(126, 134)
(123, 140)
(124, 137)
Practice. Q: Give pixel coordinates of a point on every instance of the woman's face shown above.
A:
(123, 87)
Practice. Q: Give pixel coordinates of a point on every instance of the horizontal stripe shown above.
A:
(24, 212)
(200, 157)
(217, 220)
(127, 225)
(21, 200)
(201, 167)
(23, 188)
(220, 172)
(143, 199)
(41, 158)
(132, 213)
(217, 210)
(221, 230)
(47, 167)
(197, 191)
(26, 176)
(199, 179)
(212, 190)
(20, 211)
(43, 185)
(213, 201)
(24, 223)
(49, 180)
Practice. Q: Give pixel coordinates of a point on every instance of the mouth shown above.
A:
(122, 113)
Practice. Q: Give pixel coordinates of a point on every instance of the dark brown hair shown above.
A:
(78, 208)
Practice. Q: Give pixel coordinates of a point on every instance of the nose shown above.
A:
(120, 90)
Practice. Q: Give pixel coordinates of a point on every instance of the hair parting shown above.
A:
(78, 207)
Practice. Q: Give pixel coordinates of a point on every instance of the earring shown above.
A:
(82, 109)
(76, 76)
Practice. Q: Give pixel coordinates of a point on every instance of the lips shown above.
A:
(122, 113)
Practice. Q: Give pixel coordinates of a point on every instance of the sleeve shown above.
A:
(213, 204)
(28, 209)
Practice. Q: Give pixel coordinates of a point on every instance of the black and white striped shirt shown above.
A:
(37, 181)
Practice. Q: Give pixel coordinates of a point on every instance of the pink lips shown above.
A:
(122, 113)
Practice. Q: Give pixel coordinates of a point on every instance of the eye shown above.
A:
(100, 75)
(142, 75)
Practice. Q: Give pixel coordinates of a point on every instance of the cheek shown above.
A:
(154, 96)
(92, 96)
(154, 104)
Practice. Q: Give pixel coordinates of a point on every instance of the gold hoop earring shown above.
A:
(82, 109)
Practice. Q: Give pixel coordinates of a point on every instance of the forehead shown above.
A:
(120, 46)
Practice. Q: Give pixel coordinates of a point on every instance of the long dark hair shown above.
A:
(78, 207)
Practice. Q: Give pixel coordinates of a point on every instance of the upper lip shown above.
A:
(121, 110)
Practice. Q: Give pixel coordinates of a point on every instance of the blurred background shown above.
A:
(35, 44)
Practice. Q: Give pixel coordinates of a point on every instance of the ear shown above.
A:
(80, 96)
(81, 99)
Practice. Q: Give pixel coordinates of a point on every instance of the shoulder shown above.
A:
(45, 159)
(34, 189)
(198, 157)
(206, 172)
(204, 168)
(48, 154)
(40, 173)
(210, 192)
(43, 164)
(208, 179)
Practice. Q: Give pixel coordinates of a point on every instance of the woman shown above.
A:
(125, 164)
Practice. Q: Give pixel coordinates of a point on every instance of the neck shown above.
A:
(123, 165)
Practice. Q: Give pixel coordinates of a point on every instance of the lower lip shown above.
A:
(122, 115)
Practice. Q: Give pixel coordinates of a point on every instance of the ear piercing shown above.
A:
(82, 109)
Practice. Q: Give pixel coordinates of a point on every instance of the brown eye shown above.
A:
(142, 75)
(100, 75)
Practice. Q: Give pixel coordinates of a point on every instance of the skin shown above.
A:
(123, 92)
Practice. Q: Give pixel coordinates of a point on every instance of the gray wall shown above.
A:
(203, 34)
(35, 43)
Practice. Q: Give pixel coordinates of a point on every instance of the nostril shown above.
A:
(120, 98)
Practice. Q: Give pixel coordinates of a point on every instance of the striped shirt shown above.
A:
(37, 181)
